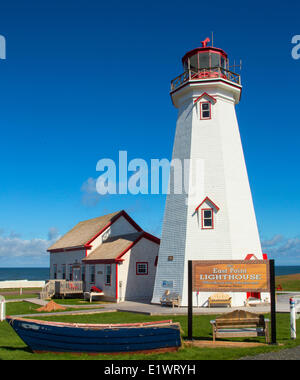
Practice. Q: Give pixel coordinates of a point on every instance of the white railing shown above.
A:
(48, 290)
(61, 287)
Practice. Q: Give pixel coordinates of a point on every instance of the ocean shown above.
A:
(42, 274)
(31, 274)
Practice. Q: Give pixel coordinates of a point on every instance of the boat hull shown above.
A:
(44, 336)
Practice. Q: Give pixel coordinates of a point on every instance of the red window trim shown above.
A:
(106, 283)
(117, 282)
(212, 219)
(210, 201)
(136, 268)
(205, 118)
(205, 94)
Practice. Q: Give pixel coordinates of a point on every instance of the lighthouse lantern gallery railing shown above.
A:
(205, 73)
(231, 276)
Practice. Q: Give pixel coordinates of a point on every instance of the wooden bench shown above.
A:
(219, 299)
(240, 323)
(170, 299)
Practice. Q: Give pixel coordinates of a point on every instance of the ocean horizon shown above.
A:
(43, 274)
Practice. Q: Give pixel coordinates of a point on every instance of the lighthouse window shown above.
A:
(215, 60)
(207, 219)
(205, 110)
(204, 61)
(194, 62)
(223, 63)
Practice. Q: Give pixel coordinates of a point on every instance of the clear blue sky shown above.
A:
(85, 79)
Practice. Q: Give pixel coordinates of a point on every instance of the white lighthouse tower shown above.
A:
(219, 223)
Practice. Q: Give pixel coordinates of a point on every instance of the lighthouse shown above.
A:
(217, 221)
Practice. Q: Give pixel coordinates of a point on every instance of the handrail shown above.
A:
(205, 73)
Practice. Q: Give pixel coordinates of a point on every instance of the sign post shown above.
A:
(190, 300)
(273, 301)
(231, 276)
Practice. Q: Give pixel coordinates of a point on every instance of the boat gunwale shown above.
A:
(168, 322)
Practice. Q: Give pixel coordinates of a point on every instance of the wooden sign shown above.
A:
(231, 276)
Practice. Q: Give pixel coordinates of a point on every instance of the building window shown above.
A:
(83, 273)
(205, 110)
(207, 218)
(141, 268)
(108, 274)
(92, 273)
(55, 271)
(70, 273)
(64, 271)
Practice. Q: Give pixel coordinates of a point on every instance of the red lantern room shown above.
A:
(205, 58)
(205, 62)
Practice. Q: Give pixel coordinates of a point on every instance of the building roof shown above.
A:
(85, 232)
(113, 248)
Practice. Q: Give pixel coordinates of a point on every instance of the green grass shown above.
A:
(18, 308)
(11, 346)
(19, 296)
(289, 282)
(17, 290)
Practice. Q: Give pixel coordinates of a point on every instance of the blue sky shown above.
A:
(85, 79)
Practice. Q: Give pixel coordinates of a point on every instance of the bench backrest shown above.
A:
(240, 318)
(219, 296)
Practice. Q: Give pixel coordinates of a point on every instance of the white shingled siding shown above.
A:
(68, 258)
(174, 225)
(109, 290)
(217, 143)
(134, 286)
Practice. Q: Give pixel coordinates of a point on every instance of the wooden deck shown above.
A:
(61, 288)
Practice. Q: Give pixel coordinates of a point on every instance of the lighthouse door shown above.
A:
(253, 295)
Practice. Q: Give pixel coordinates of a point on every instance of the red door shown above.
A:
(253, 295)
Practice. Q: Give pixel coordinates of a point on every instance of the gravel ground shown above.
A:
(289, 354)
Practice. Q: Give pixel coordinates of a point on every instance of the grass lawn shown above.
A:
(10, 294)
(11, 346)
(19, 296)
(18, 308)
(289, 282)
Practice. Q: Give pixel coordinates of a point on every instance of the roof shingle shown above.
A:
(84, 231)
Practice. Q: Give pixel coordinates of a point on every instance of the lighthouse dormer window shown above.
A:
(205, 110)
(207, 218)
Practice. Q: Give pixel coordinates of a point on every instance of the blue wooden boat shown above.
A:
(45, 336)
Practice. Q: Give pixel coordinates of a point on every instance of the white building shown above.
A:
(110, 252)
(219, 223)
